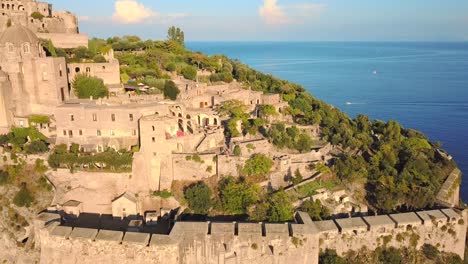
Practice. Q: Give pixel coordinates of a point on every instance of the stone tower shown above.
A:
(38, 83)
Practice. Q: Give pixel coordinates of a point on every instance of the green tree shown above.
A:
(281, 209)
(297, 178)
(190, 73)
(258, 165)
(176, 34)
(237, 196)
(267, 111)
(232, 108)
(23, 197)
(171, 91)
(86, 87)
(315, 210)
(198, 197)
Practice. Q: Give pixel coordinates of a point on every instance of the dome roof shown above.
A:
(18, 35)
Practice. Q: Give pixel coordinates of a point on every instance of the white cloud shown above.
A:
(132, 12)
(274, 14)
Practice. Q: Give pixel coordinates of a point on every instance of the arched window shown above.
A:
(11, 48)
(88, 69)
(77, 69)
(26, 48)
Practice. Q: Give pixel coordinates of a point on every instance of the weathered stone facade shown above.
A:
(59, 26)
(211, 242)
(38, 83)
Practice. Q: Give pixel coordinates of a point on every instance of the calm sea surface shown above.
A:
(422, 85)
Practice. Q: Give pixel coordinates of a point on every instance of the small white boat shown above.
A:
(349, 103)
(375, 72)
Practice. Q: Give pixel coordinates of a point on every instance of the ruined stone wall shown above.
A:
(444, 229)
(230, 165)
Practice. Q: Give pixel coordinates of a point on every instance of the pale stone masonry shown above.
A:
(61, 27)
(213, 242)
(34, 83)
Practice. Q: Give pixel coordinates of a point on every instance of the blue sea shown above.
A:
(421, 85)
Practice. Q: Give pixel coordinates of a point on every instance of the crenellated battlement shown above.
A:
(214, 242)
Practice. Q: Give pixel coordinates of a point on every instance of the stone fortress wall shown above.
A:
(210, 242)
(61, 27)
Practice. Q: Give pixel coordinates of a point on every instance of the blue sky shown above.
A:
(276, 20)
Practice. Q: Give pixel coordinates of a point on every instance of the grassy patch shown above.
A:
(311, 187)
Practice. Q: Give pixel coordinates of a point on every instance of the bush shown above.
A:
(330, 257)
(110, 160)
(190, 73)
(171, 66)
(165, 194)
(35, 147)
(37, 15)
(315, 210)
(39, 119)
(171, 90)
(430, 251)
(198, 197)
(44, 184)
(86, 87)
(23, 197)
(3, 177)
(391, 256)
(237, 151)
(258, 165)
(99, 59)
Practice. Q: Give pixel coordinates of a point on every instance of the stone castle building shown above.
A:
(34, 83)
(59, 26)
(179, 140)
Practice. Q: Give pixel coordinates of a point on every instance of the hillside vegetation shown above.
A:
(399, 168)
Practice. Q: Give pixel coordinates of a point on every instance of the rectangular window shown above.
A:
(62, 94)
(112, 133)
(131, 117)
(134, 133)
(81, 132)
(113, 117)
(99, 133)
(72, 118)
(64, 132)
(95, 117)
(70, 133)
(153, 139)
